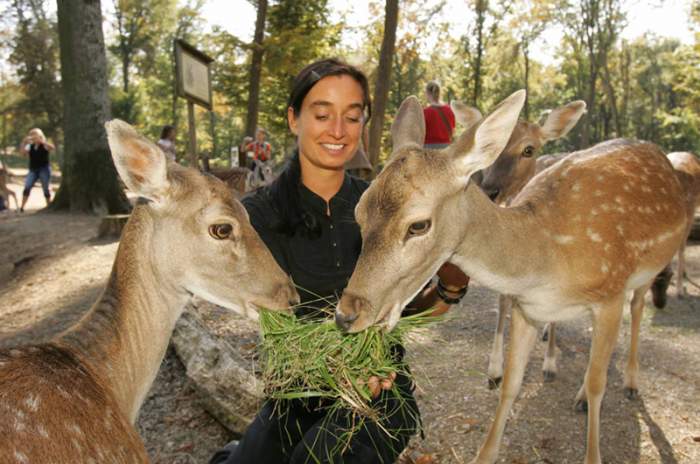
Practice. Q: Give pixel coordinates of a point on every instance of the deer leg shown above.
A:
(495, 371)
(549, 367)
(632, 369)
(680, 287)
(522, 339)
(606, 325)
(545, 332)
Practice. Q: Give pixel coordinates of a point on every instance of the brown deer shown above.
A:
(75, 399)
(243, 180)
(687, 168)
(595, 226)
(505, 178)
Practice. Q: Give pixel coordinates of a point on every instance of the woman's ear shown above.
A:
(292, 120)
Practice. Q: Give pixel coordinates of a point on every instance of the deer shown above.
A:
(595, 226)
(502, 180)
(687, 167)
(5, 191)
(75, 399)
(243, 180)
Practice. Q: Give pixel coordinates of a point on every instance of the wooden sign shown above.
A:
(193, 74)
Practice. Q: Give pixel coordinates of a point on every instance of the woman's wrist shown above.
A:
(451, 294)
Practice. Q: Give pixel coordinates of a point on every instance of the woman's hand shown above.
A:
(376, 384)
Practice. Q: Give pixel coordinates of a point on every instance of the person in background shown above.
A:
(37, 148)
(439, 119)
(244, 154)
(167, 141)
(261, 150)
(306, 219)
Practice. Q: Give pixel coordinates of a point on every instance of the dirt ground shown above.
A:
(52, 269)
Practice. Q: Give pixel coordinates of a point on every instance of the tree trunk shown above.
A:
(481, 6)
(610, 93)
(251, 121)
(383, 83)
(89, 179)
(526, 58)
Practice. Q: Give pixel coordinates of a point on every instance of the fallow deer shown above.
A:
(243, 180)
(687, 168)
(76, 398)
(598, 224)
(514, 167)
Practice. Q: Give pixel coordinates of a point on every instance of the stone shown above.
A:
(225, 380)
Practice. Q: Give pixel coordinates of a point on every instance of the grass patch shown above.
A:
(304, 359)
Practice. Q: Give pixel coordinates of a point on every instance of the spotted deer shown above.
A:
(502, 180)
(243, 180)
(687, 167)
(598, 224)
(76, 398)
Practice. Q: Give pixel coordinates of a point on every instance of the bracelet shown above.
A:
(441, 291)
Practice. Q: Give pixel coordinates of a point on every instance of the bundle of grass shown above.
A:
(305, 359)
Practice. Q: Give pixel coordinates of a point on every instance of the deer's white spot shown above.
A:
(32, 403)
(75, 429)
(620, 229)
(604, 268)
(663, 189)
(626, 187)
(576, 187)
(42, 431)
(594, 236)
(563, 239)
(15, 353)
(21, 457)
(600, 178)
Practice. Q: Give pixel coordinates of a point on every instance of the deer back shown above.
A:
(56, 409)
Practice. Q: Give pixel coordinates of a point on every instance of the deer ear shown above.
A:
(561, 120)
(466, 115)
(140, 163)
(408, 128)
(478, 148)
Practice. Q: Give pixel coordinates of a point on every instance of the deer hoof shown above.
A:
(581, 406)
(549, 376)
(494, 383)
(631, 393)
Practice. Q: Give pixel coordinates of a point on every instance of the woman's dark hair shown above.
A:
(310, 75)
(285, 189)
(165, 132)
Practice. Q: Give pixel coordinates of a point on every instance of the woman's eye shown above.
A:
(529, 151)
(220, 231)
(419, 228)
(321, 117)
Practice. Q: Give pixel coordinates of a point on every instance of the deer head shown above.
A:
(219, 255)
(409, 211)
(516, 164)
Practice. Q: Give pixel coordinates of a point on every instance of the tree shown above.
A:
(255, 71)
(383, 79)
(89, 181)
(34, 55)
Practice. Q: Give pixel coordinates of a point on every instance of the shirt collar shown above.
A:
(338, 203)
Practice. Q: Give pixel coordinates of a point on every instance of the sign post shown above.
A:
(193, 77)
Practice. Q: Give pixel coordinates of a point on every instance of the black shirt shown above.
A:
(38, 157)
(320, 266)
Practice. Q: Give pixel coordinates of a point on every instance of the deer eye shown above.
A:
(220, 231)
(418, 228)
(529, 151)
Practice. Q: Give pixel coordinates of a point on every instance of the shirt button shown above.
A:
(337, 264)
(334, 244)
(331, 226)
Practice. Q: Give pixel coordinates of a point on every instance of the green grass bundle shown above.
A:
(307, 359)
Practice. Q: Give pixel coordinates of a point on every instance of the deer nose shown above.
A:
(343, 321)
(492, 192)
(292, 294)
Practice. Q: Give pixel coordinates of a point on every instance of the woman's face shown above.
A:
(329, 125)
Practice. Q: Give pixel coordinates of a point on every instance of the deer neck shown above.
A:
(503, 248)
(125, 334)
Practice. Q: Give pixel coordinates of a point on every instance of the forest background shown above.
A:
(648, 87)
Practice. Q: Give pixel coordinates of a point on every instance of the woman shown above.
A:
(306, 219)
(167, 141)
(439, 119)
(35, 146)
